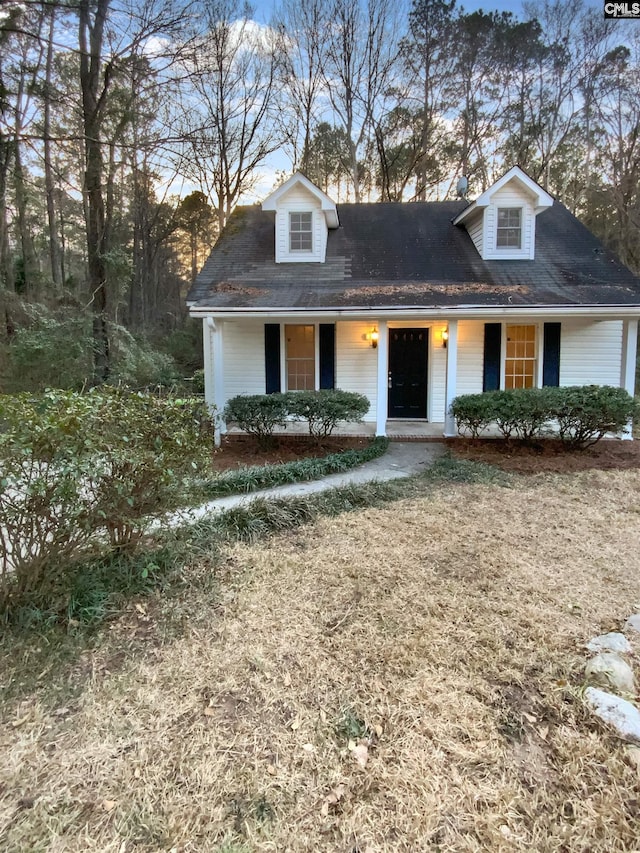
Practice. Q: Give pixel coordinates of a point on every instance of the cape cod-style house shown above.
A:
(413, 304)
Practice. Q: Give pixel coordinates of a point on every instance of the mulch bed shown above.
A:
(544, 456)
(243, 451)
(547, 455)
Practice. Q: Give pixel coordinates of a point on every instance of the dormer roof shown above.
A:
(327, 205)
(541, 198)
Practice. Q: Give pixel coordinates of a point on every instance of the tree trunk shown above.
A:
(90, 40)
(54, 245)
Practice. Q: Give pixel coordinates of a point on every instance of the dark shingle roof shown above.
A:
(410, 255)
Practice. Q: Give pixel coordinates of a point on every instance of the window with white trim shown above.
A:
(520, 367)
(509, 228)
(300, 357)
(301, 232)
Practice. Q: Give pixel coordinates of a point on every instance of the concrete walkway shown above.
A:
(402, 459)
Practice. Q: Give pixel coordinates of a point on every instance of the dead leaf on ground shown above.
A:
(633, 755)
(332, 799)
(361, 754)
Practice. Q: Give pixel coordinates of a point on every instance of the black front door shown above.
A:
(408, 373)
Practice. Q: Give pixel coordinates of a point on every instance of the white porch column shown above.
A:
(382, 395)
(207, 323)
(628, 363)
(451, 379)
(213, 372)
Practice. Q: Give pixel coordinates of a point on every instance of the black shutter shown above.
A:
(327, 341)
(492, 347)
(551, 354)
(272, 357)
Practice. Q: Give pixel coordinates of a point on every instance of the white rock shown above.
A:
(612, 642)
(619, 713)
(633, 623)
(611, 671)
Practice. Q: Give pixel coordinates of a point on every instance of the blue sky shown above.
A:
(264, 8)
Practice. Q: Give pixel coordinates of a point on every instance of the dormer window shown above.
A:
(300, 232)
(509, 228)
(501, 222)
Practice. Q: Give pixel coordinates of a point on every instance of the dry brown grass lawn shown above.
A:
(441, 640)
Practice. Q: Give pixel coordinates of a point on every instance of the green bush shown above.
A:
(73, 465)
(260, 414)
(324, 409)
(197, 381)
(523, 412)
(582, 414)
(473, 412)
(586, 413)
(136, 363)
(147, 445)
(257, 414)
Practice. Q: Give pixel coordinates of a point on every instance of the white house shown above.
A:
(413, 304)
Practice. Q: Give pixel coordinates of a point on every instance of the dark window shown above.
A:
(509, 232)
(300, 232)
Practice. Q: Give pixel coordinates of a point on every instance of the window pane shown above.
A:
(300, 232)
(520, 362)
(300, 357)
(509, 230)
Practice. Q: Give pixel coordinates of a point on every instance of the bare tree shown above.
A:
(229, 110)
(301, 25)
(359, 55)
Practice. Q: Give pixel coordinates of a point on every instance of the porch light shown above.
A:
(445, 337)
(373, 337)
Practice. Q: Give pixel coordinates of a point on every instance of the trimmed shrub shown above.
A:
(523, 412)
(583, 414)
(257, 414)
(473, 412)
(586, 413)
(324, 409)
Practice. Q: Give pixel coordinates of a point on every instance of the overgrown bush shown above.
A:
(257, 414)
(580, 415)
(72, 465)
(197, 381)
(586, 413)
(147, 445)
(137, 364)
(323, 410)
(52, 349)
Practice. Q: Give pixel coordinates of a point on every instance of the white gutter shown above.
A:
(460, 311)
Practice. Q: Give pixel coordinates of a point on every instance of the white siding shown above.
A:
(437, 375)
(476, 231)
(244, 370)
(470, 357)
(356, 362)
(300, 200)
(510, 195)
(590, 353)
